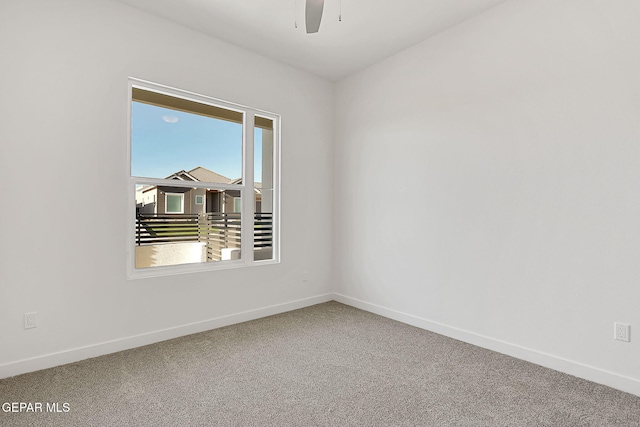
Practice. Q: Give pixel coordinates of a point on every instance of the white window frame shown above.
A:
(248, 205)
(201, 202)
(166, 202)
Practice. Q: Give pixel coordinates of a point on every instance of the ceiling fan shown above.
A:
(313, 15)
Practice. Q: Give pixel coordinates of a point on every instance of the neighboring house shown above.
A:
(181, 200)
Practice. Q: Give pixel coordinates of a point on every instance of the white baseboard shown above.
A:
(590, 373)
(611, 379)
(76, 354)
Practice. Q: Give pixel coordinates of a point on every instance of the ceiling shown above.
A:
(370, 30)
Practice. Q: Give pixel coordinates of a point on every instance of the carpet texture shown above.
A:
(326, 365)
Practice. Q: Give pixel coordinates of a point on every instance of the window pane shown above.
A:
(174, 203)
(263, 190)
(263, 225)
(263, 153)
(173, 144)
(210, 232)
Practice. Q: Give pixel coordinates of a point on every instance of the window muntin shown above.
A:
(207, 208)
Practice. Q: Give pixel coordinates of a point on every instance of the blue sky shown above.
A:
(164, 141)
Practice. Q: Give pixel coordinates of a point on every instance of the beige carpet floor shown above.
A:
(326, 365)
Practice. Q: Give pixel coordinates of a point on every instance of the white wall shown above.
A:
(488, 185)
(63, 133)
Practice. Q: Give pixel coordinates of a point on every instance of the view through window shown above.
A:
(204, 174)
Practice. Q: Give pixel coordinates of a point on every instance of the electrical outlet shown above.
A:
(305, 276)
(621, 332)
(30, 320)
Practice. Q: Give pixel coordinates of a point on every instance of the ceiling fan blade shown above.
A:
(313, 15)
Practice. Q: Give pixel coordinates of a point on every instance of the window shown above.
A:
(203, 183)
(174, 203)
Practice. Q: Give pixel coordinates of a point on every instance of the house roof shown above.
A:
(239, 181)
(201, 174)
(206, 175)
(182, 176)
